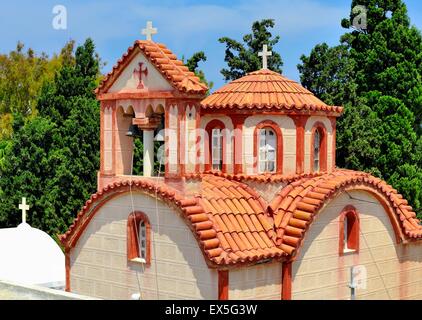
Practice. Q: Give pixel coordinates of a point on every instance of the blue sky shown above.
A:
(184, 26)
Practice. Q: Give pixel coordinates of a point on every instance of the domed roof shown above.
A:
(266, 89)
(30, 256)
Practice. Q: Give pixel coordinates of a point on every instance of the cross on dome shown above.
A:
(24, 207)
(264, 54)
(149, 31)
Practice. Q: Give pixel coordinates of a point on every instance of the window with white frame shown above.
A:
(317, 150)
(267, 150)
(142, 240)
(346, 234)
(217, 149)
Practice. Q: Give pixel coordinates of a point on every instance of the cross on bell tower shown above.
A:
(264, 54)
(149, 31)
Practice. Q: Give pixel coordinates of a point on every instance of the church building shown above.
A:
(240, 196)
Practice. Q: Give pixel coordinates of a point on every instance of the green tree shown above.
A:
(243, 58)
(375, 72)
(388, 52)
(22, 74)
(4, 148)
(329, 73)
(54, 156)
(192, 64)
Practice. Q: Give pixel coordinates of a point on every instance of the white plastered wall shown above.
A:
(288, 130)
(261, 282)
(308, 137)
(320, 273)
(99, 265)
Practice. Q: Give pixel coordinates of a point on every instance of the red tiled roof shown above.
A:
(234, 225)
(166, 63)
(297, 204)
(266, 89)
(227, 218)
(243, 227)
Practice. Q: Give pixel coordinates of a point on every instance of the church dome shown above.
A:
(30, 256)
(266, 89)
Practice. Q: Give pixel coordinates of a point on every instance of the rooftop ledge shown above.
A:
(17, 291)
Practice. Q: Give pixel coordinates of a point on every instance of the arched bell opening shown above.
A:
(149, 143)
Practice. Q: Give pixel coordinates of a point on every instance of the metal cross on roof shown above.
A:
(264, 54)
(24, 207)
(149, 31)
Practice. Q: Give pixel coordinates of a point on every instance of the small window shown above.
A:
(138, 238)
(317, 150)
(217, 149)
(267, 150)
(142, 240)
(349, 228)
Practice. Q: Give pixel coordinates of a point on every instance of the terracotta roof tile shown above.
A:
(165, 62)
(265, 89)
(240, 212)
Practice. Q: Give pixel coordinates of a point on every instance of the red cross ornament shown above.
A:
(139, 72)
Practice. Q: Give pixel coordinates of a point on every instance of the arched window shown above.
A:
(215, 146)
(349, 231)
(138, 238)
(217, 149)
(319, 148)
(268, 150)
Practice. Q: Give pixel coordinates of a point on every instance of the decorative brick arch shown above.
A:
(279, 137)
(193, 214)
(215, 124)
(296, 205)
(323, 149)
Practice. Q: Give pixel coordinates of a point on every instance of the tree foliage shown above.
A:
(22, 74)
(243, 58)
(193, 65)
(53, 157)
(375, 72)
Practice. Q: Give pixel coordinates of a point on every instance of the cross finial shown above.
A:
(149, 30)
(264, 54)
(24, 207)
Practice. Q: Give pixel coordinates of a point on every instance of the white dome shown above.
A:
(30, 256)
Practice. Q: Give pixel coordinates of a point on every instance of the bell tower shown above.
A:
(152, 95)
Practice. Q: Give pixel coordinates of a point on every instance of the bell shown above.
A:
(133, 131)
(160, 132)
(160, 136)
